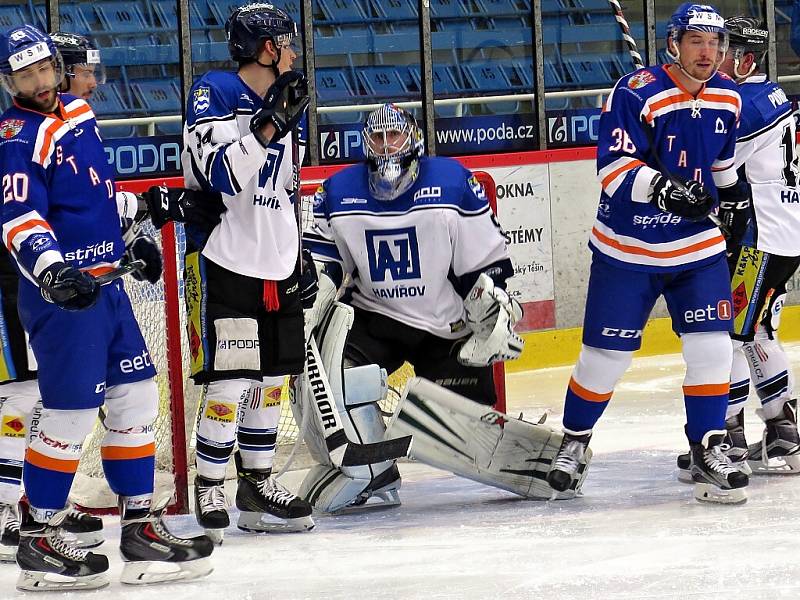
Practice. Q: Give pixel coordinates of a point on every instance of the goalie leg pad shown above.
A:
(453, 433)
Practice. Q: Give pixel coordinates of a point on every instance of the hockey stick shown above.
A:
(633, 50)
(113, 275)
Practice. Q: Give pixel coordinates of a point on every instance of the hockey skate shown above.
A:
(266, 506)
(779, 450)
(715, 477)
(569, 460)
(9, 532)
(211, 507)
(49, 562)
(81, 529)
(153, 555)
(736, 451)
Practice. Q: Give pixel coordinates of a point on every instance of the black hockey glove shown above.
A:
(734, 211)
(283, 106)
(308, 280)
(68, 287)
(183, 205)
(144, 248)
(690, 200)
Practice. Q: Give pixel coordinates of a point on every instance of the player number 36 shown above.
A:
(15, 187)
(622, 141)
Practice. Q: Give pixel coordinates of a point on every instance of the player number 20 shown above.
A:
(622, 141)
(15, 187)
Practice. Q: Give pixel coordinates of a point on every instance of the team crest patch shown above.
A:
(641, 79)
(13, 427)
(221, 411)
(10, 127)
(201, 99)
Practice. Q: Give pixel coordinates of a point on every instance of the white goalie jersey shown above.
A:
(415, 258)
(767, 157)
(258, 234)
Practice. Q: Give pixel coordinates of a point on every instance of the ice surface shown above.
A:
(636, 533)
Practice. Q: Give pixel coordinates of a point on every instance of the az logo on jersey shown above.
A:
(395, 251)
(201, 99)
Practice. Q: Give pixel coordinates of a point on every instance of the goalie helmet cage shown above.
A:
(160, 312)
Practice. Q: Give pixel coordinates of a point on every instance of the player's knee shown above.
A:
(599, 369)
(61, 433)
(131, 404)
(708, 356)
(219, 409)
(19, 398)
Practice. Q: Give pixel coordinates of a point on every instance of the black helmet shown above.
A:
(749, 34)
(78, 49)
(250, 25)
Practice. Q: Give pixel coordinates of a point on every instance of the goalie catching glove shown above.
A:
(284, 104)
(491, 316)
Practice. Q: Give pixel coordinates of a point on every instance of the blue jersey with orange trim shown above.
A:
(58, 190)
(695, 138)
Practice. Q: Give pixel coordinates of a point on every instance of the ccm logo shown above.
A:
(622, 333)
(720, 312)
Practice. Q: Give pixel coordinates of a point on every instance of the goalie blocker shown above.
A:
(453, 433)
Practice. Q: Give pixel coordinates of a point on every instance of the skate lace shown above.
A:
(65, 548)
(569, 457)
(212, 498)
(161, 529)
(718, 461)
(275, 492)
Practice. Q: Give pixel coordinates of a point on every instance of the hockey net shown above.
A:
(160, 312)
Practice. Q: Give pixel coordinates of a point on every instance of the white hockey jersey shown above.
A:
(766, 157)
(258, 234)
(415, 258)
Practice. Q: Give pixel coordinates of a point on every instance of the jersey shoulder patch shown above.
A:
(640, 79)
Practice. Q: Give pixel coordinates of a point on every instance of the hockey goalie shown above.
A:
(422, 265)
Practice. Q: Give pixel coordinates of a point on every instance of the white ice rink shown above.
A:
(636, 533)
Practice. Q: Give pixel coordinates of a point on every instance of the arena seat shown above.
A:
(11, 16)
(157, 96)
(344, 11)
(382, 82)
(107, 101)
(120, 17)
(167, 13)
(333, 86)
(588, 70)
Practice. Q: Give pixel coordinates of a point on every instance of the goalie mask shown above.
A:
(393, 143)
(30, 66)
(702, 18)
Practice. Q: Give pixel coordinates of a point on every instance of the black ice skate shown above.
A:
(569, 461)
(211, 507)
(49, 562)
(736, 451)
(9, 532)
(81, 529)
(779, 450)
(715, 477)
(266, 506)
(153, 555)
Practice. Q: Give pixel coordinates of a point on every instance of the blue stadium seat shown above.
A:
(11, 16)
(210, 52)
(490, 78)
(382, 81)
(73, 18)
(551, 6)
(157, 96)
(344, 11)
(107, 101)
(333, 86)
(452, 9)
(120, 17)
(397, 10)
(223, 8)
(292, 8)
(167, 13)
(588, 70)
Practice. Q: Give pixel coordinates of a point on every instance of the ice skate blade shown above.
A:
(158, 571)
(777, 465)
(89, 539)
(261, 523)
(215, 535)
(705, 492)
(39, 581)
(379, 500)
(8, 554)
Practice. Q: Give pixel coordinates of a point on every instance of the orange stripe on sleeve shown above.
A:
(24, 227)
(127, 452)
(708, 389)
(38, 459)
(587, 395)
(47, 142)
(616, 173)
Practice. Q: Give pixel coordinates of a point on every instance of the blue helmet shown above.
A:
(695, 17)
(22, 47)
(250, 25)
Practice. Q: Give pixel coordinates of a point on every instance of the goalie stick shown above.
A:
(633, 50)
